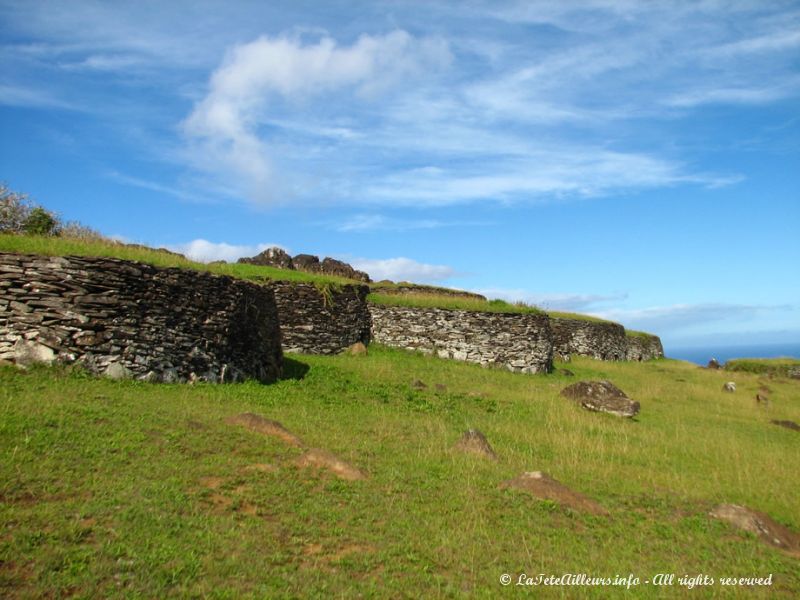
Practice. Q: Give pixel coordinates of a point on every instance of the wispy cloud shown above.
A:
(26, 97)
(403, 269)
(225, 123)
(152, 186)
(376, 222)
(205, 251)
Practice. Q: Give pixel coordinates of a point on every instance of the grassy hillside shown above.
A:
(57, 246)
(781, 367)
(115, 489)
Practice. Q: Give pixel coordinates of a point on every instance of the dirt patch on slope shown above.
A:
(760, 524)
(544, 487)
(322, 459)
(265, 426)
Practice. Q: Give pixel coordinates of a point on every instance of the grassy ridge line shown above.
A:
(55, 246)
(764, 366)
(451, 303)
(641, 334)
(498, 306)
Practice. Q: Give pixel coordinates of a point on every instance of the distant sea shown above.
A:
(702, 354)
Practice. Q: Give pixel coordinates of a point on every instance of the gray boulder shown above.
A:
(601, 396)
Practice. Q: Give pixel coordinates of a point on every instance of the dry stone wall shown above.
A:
(597, 339)
(517, 342)
(644, 348)
(128, 319)
(322, 321)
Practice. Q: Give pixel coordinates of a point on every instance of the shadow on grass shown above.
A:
(293, 369)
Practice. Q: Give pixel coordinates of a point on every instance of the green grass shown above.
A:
(451, 303)
(769, 366)
(56, 246)
(641, 334)
(577, 317)
(125, 489)
(408, 287)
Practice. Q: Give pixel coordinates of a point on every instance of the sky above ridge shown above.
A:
(638, 161)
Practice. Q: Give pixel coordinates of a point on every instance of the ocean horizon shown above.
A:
(702, 354)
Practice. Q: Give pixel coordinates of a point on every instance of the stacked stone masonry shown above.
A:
(597, 339)
(519, 342)
(322, 320)
(135, 320)
(644, 348)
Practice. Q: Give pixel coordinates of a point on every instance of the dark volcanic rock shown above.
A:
(331, 266)
(601, 396)
(713, 364)
(271, 257)
(307, 262)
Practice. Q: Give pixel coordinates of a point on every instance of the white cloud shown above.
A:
(403, 269)
(376, 222)
(205, 251)
(13, 95)
(223, 126)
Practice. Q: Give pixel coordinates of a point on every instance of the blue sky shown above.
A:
(634, 160)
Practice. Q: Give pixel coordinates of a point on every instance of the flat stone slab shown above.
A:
(760, 524)
(474, 442)
(602, 396)
(269, 427)
(542, 486)
(322, 459)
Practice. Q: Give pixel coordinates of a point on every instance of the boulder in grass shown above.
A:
(729, 386)
(713, 364)
(474, 442)
(602, 396)
(357, 349)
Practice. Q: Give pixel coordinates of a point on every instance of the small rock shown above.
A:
(357, 349)
(602, 396)
(28, 353)
(474, 442)
(544, 487)
(729, 386)
(419, 385)
(788, 424)
(117, 371)
(760, 524)
(713, 364)
(762, 399)
(440, 387)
